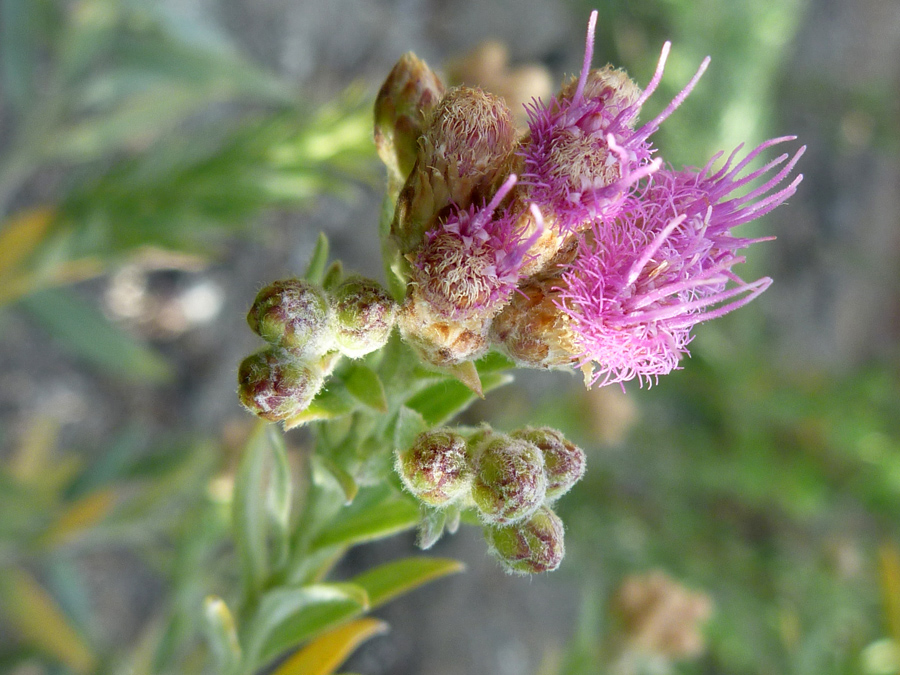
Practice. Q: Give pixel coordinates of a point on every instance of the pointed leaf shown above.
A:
(248, 512)
(221, 633)
(333, 276)
(315, 271)
(376, 522)
(288, 616)
(38, 619)
(410, 424)
(386, 582)
(333, 401)
(327, 652)
(431, 527)
(441, 402)
(467, 373)
(279, 496)
(344, 479)
(364, 385)
(80, 515)
(21, 235)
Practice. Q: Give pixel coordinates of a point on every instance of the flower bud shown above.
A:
(532, 329)
(292, 314)
(364, 315)
(564, 462)
(436, 468)
(509, 483)
(405, 100)
(534, 546)
(439, 341)
(464, 155)
(274, 386)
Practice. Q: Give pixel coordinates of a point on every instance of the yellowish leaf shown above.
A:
(65, 273)
(890, 587)
(39, 620)
(21, 235)
(81, 515)
(32, 457)
(324, 654)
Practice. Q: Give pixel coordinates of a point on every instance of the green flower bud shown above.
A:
(292, 314)
(406, 99)
(564, 462)
(509, 483)
(364, 315)
(436, 468)
(274, 386)
(528, 548)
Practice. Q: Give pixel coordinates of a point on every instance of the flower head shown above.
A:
(470, 263)
(583, 153)
(643, 279)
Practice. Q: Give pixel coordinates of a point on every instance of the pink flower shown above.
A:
(469, 264)
(583, 153)
(662, 264)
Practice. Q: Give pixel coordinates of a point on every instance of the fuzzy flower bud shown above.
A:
(364, 315)
(275, 386)
(532, 330)
(436, 468)
(292, 314)
(405, 100)
(509, 483)
(464, 155)
(534, 546)
(564, 462)
(437, 340)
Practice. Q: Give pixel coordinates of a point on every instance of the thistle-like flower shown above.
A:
(469, 264)
(583, 153)
(643, 279)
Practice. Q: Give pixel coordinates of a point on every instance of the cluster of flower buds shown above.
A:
(568, 244)
(509, 479)
(308, 329)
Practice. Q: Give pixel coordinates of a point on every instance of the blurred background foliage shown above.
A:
(135, 138)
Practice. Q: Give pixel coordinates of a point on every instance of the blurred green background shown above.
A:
(161, 161)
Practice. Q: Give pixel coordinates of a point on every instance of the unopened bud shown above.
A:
(564, 462)
(439, 341)
(533, 330)
(292, 314)
(464, 155)
(536, 545)
(405, 101)
(436, 468)
(274, 386)
(364, 315)
(509, 483)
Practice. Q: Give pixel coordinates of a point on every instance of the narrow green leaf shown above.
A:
(315, 271)
(441, 402)
(249, 520)
(279, 496)
(344, 479)
(386, 582)
(221, 633)
(333, 401)
(431, 527)
(84, 330)
(376, 522)
(333, 276)
(289, 615)
(410, 424)
(365, 386)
